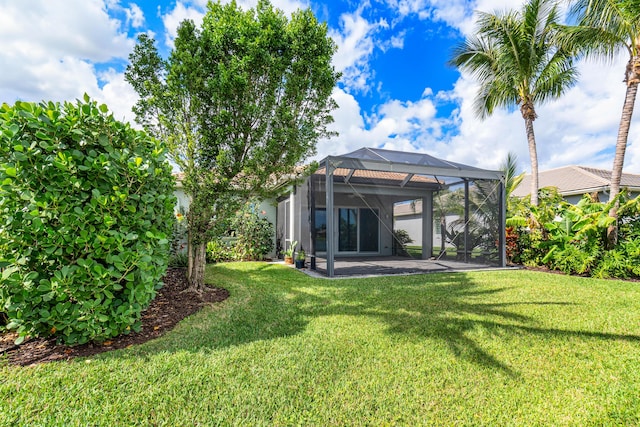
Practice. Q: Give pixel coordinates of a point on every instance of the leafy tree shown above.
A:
(86, 207)
(240, 101)
(517, 62)
(606, 28)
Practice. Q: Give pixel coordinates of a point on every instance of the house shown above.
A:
(266, 206)
(573, 182)
(346, 208)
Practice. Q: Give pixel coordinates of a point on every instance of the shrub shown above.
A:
(86, 207)
(179, 260)
(179, 234)
(249, 237)
(573, 238)
(254, 234)
(401, 239)
(219, 250)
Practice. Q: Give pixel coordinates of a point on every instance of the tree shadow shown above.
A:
(269, 302)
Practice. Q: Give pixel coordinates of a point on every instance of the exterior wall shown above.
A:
(182, 204)
(412, 224)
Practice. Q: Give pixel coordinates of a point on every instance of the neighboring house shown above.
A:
(346, 208)
(407, 216)
(573, 182)
(266, 206)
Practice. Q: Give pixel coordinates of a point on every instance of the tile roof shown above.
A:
(363, 176)
(572, 180)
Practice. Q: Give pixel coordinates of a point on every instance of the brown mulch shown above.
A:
(170, 306)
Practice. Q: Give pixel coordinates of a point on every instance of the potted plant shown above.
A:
(300, 257)
(288, 253)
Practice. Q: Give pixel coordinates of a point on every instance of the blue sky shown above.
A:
(396, 92)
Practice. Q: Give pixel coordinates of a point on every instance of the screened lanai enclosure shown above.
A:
(380, 211)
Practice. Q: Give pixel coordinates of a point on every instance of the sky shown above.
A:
(396, 92)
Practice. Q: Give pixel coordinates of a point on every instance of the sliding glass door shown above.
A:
(358, 230)
(347, 230)
(369, 230)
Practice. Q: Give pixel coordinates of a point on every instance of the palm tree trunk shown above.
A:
(533, 154)
(632, 80)
(621, 142)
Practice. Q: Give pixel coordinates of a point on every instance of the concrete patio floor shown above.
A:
(374, 266)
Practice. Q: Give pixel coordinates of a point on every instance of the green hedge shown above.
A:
(574, 238)
(86, 205)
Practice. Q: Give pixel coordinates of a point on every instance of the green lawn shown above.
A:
(486, 348)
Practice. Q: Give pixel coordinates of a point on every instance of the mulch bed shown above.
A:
(170, 306)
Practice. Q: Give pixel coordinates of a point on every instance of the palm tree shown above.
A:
(511, 177)
(606, 28)
(517, 63)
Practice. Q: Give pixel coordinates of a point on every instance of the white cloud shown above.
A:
(355, 43)
(579, 128)
(396, 125)
(49, 52)
(135, 16)
(118, 95)
(172, 20)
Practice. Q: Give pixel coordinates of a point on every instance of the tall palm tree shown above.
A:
(517, 63)
(606, 28)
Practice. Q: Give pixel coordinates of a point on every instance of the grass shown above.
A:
(483, 348)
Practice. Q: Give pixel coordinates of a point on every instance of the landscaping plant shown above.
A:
(241, 100)
(86, 208)
(573, 238)
(254, 234)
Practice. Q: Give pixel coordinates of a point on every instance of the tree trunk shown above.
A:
(533, 154)
(632, 79)
(197, 264)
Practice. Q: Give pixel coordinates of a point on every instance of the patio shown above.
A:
(343, 214)
(385, 265)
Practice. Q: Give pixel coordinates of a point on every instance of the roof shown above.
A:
(377, 159)
(576, 180)
(361, 176)
(404, 209)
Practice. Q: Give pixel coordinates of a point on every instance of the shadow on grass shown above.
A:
(268, 302)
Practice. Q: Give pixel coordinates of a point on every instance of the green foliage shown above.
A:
(241, 101)
(401, 239)
(250, 237)
(573, 238)
(291, 250)
(219, 250)
(178, 260)
(254, 234)
(86, 206)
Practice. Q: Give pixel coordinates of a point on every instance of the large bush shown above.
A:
(573, 238)
(86, 205)
(249, 237)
